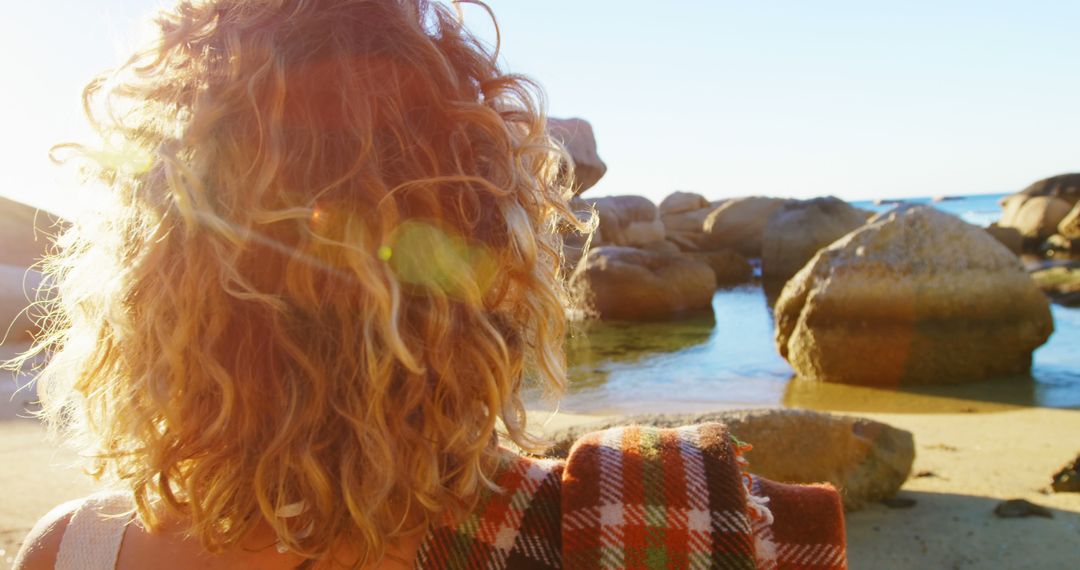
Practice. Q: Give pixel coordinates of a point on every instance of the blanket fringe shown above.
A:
(758, 506)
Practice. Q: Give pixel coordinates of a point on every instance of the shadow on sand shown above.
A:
(925, 536)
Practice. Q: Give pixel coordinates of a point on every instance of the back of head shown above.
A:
(329, 268)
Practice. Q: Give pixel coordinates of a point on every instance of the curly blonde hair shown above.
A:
(333, 262)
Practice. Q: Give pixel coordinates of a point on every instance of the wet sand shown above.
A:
(977, 459)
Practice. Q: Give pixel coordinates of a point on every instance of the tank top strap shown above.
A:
(94, 534)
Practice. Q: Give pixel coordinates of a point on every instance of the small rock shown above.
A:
(1019, 508)
(925, 473)
(899, 502)
(1067, 480)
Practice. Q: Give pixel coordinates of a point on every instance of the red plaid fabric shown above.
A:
(644, 498)
(514, 527)
(807, 532)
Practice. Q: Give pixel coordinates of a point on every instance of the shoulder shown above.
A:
(41, 545)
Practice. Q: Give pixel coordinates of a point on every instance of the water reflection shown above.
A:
(991, 396)
(730, 361)
(689, 365)
(596, 345)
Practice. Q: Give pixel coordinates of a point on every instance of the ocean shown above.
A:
(730, 361)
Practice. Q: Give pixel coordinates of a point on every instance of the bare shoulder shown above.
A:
(40, 547)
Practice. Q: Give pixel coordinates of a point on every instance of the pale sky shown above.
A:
(855, 98)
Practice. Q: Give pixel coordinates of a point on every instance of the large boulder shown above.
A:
(628, 221)
(1036, 218)
(916, 297)
(740, 224)
(576, 135)
(866, 460)
(623, 283)
(800, 228)
(1069, 227)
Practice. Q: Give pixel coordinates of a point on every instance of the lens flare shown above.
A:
(431, 258)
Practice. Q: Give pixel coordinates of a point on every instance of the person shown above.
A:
(298, 332)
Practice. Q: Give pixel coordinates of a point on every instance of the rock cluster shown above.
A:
(1063, 186)
(1047, 215)
(915, 297)
(1036, 218)
(656, 256)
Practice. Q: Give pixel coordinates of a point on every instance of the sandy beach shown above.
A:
(976, 461)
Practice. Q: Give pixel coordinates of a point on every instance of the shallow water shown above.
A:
(729, 360)
(704, 364)
(978, 209)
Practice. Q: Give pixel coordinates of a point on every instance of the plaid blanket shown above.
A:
(640, 498)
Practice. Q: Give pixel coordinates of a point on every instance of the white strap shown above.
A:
(93, 536)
